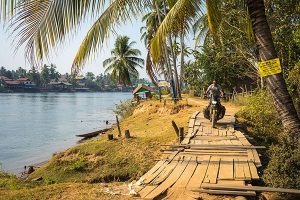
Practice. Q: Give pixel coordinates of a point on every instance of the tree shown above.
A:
(20, 72)
(45, 75)
(54, 75)
(124, 61)
(34, 76)
(90, 76)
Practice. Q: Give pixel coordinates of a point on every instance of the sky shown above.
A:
(64, 54)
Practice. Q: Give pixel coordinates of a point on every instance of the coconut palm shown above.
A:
(124, 61)
(43, 24)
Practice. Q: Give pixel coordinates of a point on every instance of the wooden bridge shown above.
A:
(206, 161)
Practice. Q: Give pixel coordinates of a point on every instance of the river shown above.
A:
(35, 125)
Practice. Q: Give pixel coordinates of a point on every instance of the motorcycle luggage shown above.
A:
(206, 113)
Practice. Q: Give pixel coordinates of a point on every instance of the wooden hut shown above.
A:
(143, 91)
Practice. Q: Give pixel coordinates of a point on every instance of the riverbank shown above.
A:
(86, 166)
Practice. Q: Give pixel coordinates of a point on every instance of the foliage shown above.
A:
(124, 61)
(283, 169)
(262, 119)
(79, 164)
(124, 109)
(262, 122)
(293, 81)
(49, 181)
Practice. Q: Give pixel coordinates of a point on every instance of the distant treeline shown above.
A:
(49, 73)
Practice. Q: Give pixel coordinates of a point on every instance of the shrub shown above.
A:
(49, 181)
(79, 165)
(283, 169)
(263, 123)
(124, 109)
(261, 118)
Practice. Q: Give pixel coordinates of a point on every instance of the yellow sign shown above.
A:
(269, 67)
(163, 84)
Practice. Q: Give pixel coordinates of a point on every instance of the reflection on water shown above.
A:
(35, 125)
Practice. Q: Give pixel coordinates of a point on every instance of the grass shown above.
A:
(77, 172)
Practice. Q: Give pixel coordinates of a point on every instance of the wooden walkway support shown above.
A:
(208, 157)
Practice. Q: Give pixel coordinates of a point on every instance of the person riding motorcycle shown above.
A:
(215, 91)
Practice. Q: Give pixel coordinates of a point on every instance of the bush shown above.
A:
(49, 181)
(79, 165)
(262, 122)
(284, 167)
(261, 118)
(124, 109)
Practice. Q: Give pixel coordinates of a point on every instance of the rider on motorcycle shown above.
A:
(214, 90)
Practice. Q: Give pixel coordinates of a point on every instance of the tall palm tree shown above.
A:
(124, 61)
(43, 24)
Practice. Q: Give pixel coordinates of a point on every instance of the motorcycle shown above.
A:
(216, 111)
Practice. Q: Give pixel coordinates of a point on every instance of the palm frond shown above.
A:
(183, 10)
(118, 11)
(213, 17)
(41, 25)
(7, 8)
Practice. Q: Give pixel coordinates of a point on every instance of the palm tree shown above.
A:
(43, 24)
(124, 61)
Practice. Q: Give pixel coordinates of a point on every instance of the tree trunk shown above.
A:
(275, 83)
(169, 69)
(177, 88)
(182, 57)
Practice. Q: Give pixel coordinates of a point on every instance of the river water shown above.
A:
(35, 125)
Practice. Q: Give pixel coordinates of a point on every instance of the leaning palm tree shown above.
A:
(124, 61)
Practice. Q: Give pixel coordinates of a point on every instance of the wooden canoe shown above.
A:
(93, 134)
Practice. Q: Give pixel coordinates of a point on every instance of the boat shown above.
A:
(93, 134)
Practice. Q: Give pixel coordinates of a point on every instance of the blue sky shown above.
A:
(64, 54)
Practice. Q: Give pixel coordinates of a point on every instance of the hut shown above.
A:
(143, 91)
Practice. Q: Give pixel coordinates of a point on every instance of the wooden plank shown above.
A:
(231, 182)
(252, 188)
(250, 155)
(246, 170)
(213, 170)
(194, 115)
(256, 158)
(226, 169)
(149, 178)
(153, 169)
(199, 174)
(226, 192)
(165, 173)
(169, 181)
(253, 170)
(238, 170)
(143, 193)
(191, 123)
(187, 174)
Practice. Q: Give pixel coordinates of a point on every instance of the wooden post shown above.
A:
(165, 103)
(181, 134)
(127, 134)
(175, 128)
(118, 124)
(110, 136)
